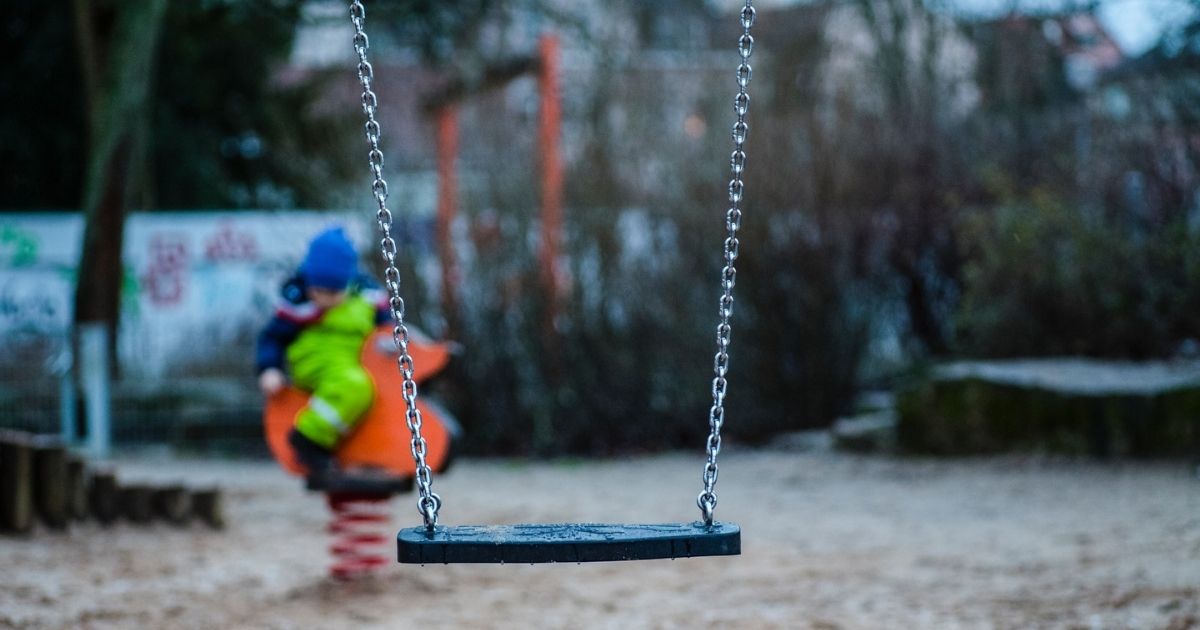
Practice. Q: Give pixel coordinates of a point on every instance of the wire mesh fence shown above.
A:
(197, 287)
(35, 393)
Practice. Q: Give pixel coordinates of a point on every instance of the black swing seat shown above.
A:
(566, 542)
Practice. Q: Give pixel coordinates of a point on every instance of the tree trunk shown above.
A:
(117, 65)
(924, 322)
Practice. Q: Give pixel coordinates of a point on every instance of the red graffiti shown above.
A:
(165, 279)
(227, 245)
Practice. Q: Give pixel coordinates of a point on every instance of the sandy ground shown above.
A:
(830, 541)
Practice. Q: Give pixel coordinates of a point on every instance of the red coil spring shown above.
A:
(361, 536)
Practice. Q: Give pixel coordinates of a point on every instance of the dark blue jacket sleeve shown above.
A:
(383, 314)
(273, 342)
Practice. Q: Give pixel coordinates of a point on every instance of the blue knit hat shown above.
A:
(331, 262)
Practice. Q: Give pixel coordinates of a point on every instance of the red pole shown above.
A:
(552, 177)
(447, 208)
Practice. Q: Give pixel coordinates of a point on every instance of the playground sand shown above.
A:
(829, 542)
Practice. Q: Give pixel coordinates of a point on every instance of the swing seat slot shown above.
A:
(566, 542)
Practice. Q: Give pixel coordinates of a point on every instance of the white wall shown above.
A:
(194, 282)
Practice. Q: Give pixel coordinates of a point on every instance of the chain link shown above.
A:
(428, 502)
(707, 500)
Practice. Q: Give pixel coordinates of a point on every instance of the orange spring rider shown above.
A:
(376, 457)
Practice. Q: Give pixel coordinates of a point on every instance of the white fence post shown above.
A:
(64, 369)
(95, 378)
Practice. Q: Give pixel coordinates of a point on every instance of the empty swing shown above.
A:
(567, 542)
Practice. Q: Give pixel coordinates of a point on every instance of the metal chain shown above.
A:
(428, 502)
(707, 500)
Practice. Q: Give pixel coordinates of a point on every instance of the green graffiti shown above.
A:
(130, 288)
(18, 248)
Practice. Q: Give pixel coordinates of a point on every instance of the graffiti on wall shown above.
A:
(26, 309)
(18, 248)
(195, 283)
(229, 244)
(165, 279)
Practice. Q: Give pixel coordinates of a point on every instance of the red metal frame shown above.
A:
(549, 131)
(447, 208)
(550, 160)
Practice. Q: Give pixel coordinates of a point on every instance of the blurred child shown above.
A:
(325, 314)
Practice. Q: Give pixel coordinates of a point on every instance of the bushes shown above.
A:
(808, 324)
(1046, 279)
(631, 365)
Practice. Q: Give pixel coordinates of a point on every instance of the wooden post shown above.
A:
(206, 504)
(173, 504)
(77, 490)
(103, 498)
(135, 504)
(50, 482)
(16, 482)
(447, 208)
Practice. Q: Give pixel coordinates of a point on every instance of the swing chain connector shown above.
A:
(429, 503)
(707, 501)
(429, 507)
(708, 504)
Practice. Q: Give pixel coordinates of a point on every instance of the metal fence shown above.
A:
(35, 392)
(220, 410)
(197, 288)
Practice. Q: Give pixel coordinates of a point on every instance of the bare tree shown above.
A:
(117, 47)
